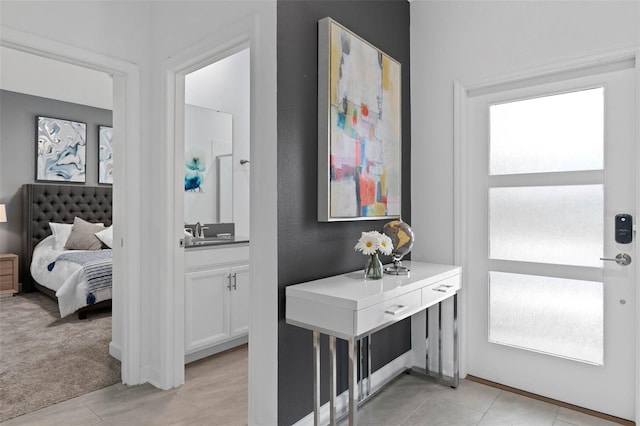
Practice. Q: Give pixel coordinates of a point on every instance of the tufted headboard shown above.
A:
(44, 203)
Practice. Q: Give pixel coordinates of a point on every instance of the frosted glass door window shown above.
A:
(536, 147)
(548, 134)
(547, 164)
(556, 316)
(547, 224)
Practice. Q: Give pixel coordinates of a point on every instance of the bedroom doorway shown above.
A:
(126, 107)
(44, 314)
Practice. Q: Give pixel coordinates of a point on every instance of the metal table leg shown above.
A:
(353, 380)
(427, 342)
(439, 376)
(456, 345)
(316, 378)
(440, 341)
(332, 380)
(361, 369)
(369, 365)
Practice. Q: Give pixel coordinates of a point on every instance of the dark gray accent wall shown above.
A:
(308, 249)
(18, 142)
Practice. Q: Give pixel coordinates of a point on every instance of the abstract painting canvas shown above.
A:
(359, 128)
(105, 155)
(61, 153)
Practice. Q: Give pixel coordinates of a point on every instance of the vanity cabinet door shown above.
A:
(240, 300)
(207, 302)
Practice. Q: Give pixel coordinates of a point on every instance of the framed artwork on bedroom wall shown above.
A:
(105, 155)
(359, 128)
(61, 150)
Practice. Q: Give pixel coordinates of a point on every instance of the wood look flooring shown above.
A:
(215, 394)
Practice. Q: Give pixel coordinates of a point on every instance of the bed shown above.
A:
(45, 203)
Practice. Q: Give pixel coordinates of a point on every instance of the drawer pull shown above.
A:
(396, 309)
(443, 288)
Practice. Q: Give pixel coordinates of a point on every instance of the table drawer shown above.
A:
(6, 267)
(387, 311)
(440, 290)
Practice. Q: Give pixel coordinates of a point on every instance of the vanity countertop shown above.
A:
(217, 243)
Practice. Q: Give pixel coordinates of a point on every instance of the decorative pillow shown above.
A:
(83, 236)
(60, 233)
(106, 236)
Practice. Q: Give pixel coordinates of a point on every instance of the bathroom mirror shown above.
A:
(217, 131)
(208, 165)
(224, 165)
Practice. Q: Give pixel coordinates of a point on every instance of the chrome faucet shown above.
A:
(200, 230)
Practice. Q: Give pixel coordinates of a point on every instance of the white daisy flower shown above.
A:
(386, 245)
(369, 242)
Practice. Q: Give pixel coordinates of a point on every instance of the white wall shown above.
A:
(461, 40)
(34, 75)
(224, 86)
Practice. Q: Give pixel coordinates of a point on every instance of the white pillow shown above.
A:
(106, 236)
(61, 232)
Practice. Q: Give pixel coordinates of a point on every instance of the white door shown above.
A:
(240, 300)
(549, 168)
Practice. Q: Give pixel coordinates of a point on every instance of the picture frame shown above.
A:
(105, 155)
(359, 128)
(60, 150)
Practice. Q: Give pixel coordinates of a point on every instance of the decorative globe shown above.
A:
(402, 238)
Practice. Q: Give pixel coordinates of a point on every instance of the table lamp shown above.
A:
(3, 213)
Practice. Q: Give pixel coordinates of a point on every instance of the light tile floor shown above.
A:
(215, 393)
(410, 401)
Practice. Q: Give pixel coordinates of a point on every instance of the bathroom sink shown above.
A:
(209, 240)
(218, 238)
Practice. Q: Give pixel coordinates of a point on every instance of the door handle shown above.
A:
(235, 281)
(229, 281)
(621, 259)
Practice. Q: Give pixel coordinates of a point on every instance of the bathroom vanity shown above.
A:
(217, 290)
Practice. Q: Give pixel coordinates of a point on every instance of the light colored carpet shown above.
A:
(45, 360)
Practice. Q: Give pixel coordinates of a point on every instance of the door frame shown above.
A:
(263, 325)
(126, 202)
(463, 90)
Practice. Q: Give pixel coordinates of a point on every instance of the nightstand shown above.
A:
(8, 273)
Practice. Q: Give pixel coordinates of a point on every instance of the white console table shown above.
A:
(351, 308)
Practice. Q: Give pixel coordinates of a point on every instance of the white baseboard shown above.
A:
(152, 376)
(378, 380)
(115, 351)
(203, 353)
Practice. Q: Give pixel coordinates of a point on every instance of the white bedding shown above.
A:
(67, 279)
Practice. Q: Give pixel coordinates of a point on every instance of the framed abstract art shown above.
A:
(61, 151)
(359, 128)
(105, 155)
